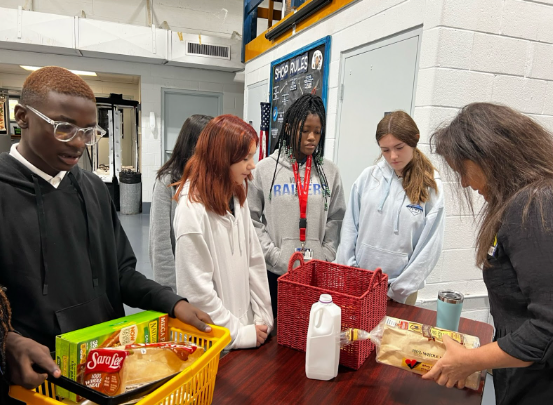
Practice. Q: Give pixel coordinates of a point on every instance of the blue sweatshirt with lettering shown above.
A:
(382, 228)
(276, 219)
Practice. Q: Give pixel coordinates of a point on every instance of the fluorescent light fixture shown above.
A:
(77, 72)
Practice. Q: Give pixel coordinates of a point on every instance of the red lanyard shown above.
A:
(303, 193)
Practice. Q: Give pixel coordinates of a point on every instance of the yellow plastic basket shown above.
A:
(194, 385)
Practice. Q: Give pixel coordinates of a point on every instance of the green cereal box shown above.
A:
(143, 327)
(62, 359)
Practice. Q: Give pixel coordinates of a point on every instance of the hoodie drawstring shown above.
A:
(231, 238)
(43, 231)
(396, 226)
(234, 222)
(83, 203)
(239, 238)
(385, 196)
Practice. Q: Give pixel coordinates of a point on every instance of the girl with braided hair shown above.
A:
(296, 197)
(395, 216)
(5, 327)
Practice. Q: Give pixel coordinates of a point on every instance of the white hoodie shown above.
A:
(382, 228)
(220, 268)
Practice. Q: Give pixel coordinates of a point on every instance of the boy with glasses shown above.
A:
(65, 260)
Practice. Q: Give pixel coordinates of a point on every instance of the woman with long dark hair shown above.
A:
(219, 262)
(162, 212)
(507, 157)
(296, 198)
(395, 216)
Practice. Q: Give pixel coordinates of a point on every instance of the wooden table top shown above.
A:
(274, 374)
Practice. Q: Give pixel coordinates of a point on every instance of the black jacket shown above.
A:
(520, 288)
(64, 257)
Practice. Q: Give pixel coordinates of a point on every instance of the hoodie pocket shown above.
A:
(89, 313)
(391, 263)
(288, 248)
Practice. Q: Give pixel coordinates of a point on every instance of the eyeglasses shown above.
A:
(65, 131)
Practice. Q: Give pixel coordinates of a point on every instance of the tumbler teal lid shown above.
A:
(451, 297)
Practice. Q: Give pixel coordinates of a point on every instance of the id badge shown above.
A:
(307, 253)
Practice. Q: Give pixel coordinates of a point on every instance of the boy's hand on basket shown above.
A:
(189, 314)
(261, 332)
(21, 355)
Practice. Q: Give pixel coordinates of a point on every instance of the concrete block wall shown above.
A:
(480, 50)
(212, 17)
(152, 79)
(472, 50)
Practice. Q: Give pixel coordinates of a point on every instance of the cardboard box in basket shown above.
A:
(362, 295)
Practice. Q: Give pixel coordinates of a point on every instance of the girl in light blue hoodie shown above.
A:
(395, 215)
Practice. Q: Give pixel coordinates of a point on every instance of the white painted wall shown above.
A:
(472, 50)
(208, 17)
(153, 78)
(100, 88)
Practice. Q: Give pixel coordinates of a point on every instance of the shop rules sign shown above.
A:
(300, 72)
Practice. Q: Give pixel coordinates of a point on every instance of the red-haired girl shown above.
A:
(218, 259)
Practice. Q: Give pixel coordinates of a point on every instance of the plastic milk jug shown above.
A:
(323, 340)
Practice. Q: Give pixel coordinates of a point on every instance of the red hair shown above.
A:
(225, 140)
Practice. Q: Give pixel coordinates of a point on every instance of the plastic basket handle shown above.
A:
(376, 278)
(295, 257)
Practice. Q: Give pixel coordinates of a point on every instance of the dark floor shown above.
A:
(137, 229)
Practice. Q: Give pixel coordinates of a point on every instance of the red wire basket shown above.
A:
(362, 295)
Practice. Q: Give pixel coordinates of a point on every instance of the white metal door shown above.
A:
(178, 105)
(376, 79)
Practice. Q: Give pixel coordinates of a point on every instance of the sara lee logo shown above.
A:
(105, 360)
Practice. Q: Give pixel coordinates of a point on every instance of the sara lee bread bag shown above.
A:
(112, 371)
(416, 347)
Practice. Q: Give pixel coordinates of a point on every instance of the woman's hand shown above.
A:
(261, 332)
(454, 367)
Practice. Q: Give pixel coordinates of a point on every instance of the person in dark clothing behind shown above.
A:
(5, 328)
(65, 260)
(506, 157)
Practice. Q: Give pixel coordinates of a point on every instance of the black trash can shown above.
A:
(130, 191)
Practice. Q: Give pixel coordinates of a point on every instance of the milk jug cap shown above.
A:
(325, 298)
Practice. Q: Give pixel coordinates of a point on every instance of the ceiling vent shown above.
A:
(211, 51)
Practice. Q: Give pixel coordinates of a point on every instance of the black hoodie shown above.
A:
(64, 257)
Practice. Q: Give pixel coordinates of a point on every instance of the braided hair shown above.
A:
(5, 326)
(290, 137)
